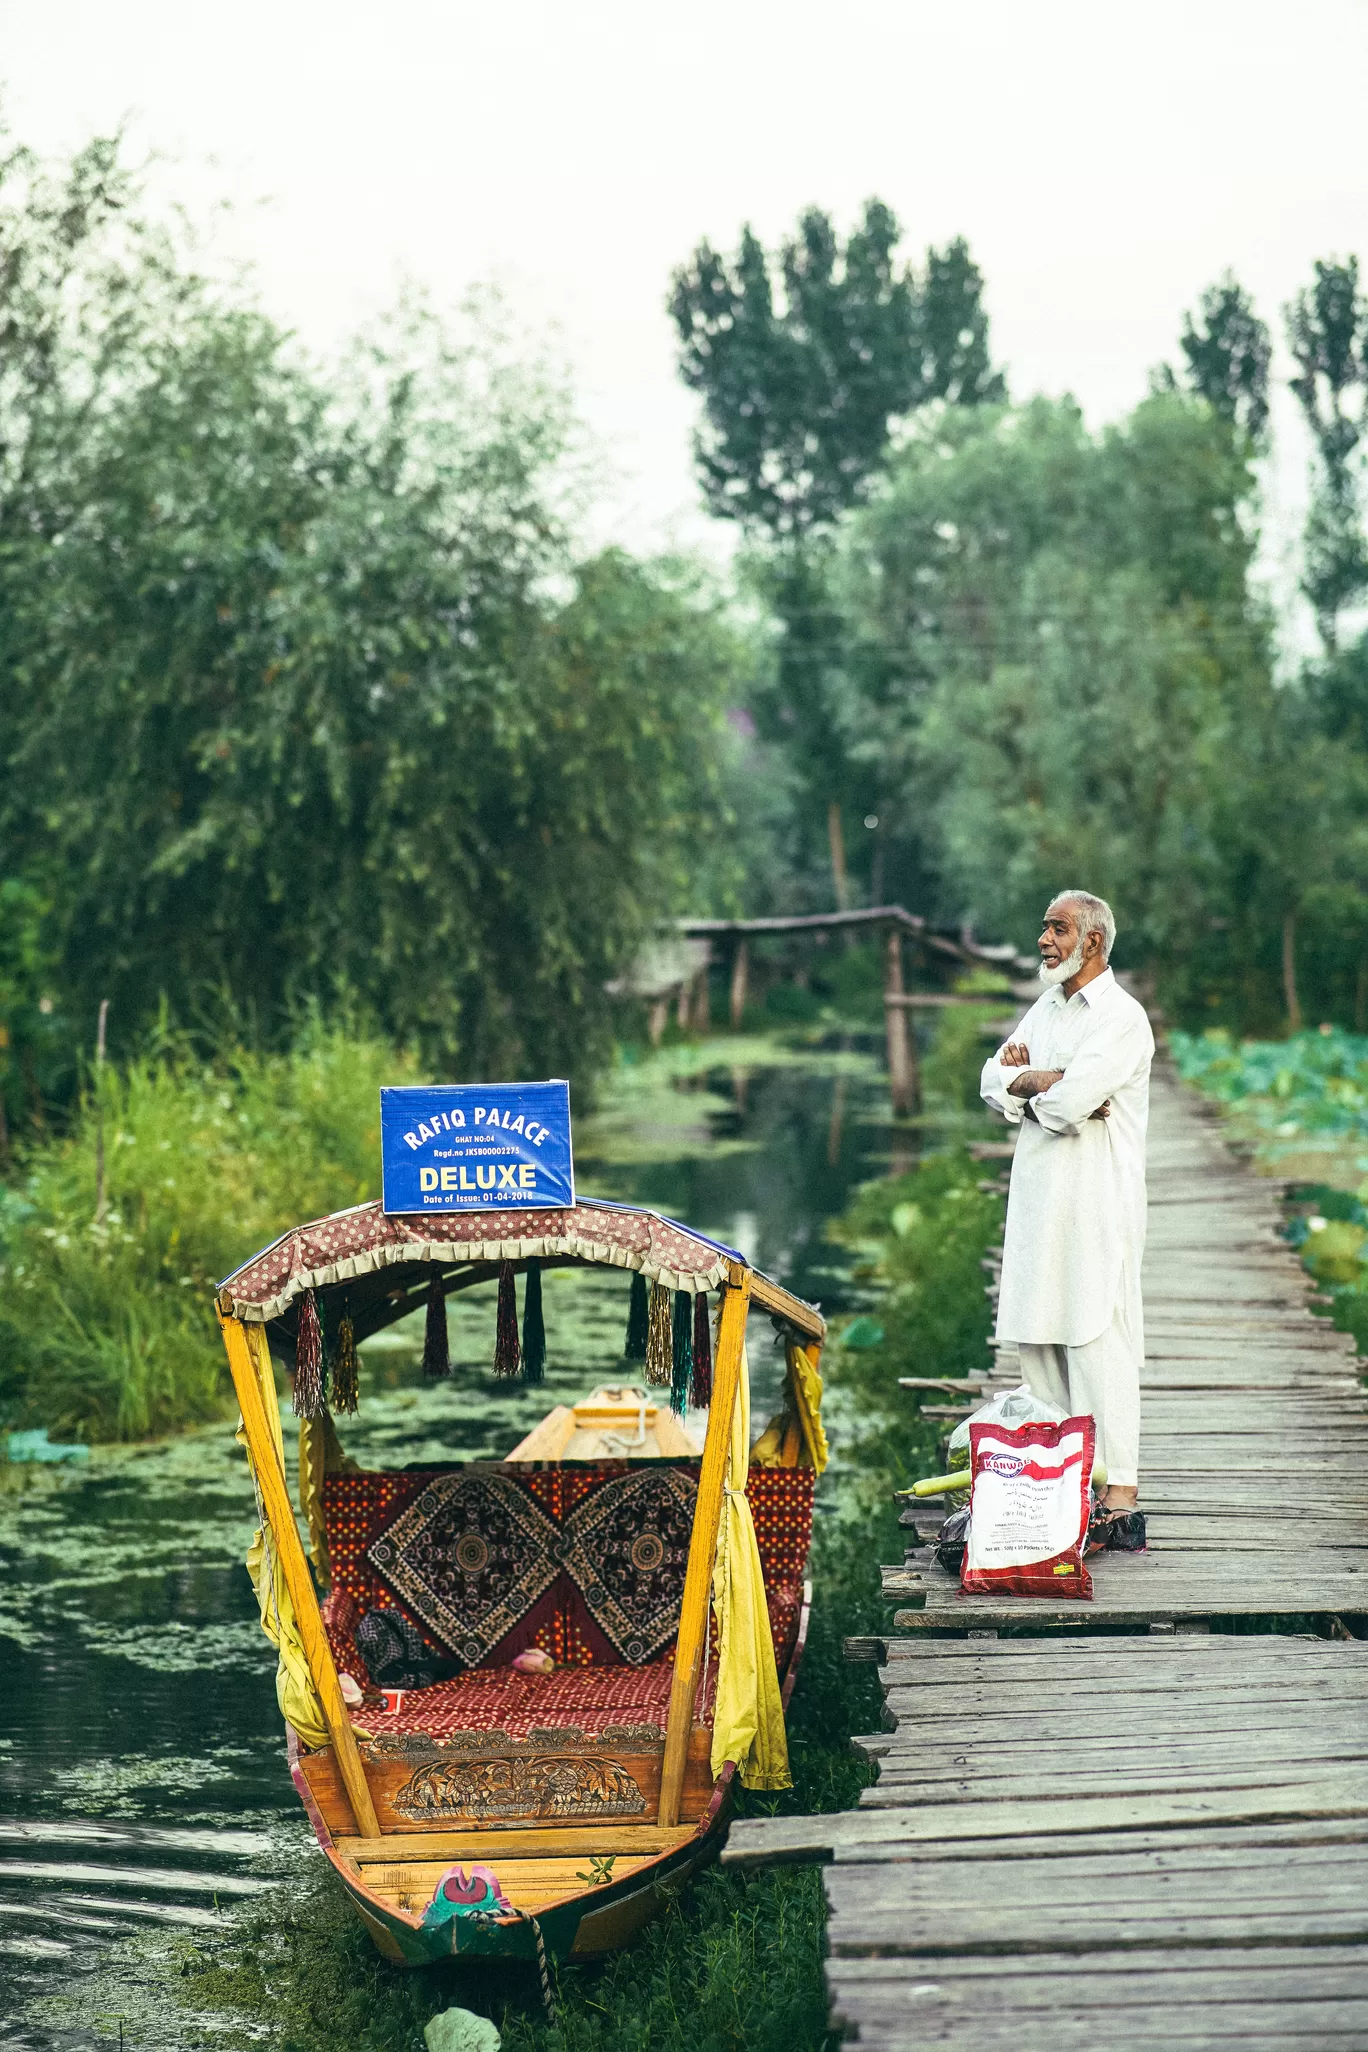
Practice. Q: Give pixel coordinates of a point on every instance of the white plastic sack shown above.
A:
(1008, 1407)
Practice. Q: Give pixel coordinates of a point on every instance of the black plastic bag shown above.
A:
(951, 1541)
(396, 1654)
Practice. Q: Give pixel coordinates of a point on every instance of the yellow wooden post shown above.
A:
(275, 1498)
(694, 1607)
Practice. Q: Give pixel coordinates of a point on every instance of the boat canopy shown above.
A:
(383, 1263)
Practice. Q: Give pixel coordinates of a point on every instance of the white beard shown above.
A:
(1065, 970)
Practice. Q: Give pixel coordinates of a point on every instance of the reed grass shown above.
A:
(106, 1326)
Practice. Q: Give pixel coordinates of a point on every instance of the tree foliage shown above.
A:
(1327, 329)
(1077, 684)
(804, 357)
(303, 690)
(1227, 352)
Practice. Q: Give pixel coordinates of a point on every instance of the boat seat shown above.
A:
(597, 1702)
(584, 1560)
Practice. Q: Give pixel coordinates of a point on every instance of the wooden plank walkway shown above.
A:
(1253, 1414)
(1141, 1821)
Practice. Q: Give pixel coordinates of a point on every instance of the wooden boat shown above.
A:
(494, 1812)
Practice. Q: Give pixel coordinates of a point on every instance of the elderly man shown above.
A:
(1075, 1076)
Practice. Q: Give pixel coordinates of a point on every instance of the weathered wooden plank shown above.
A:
(1157, 2029)
(1151, 1710)
(1160, 1777)
(1205, 1974)
(1215, 1660)
(937, 1686)
(1254, 1840)
(1154, 1719)
(870, 1908)
(1031, 1755)
(761, 1840)
(1073, 1874)
(1261, 1594)
(893, 1908)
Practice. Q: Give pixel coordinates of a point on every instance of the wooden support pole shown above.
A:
(904, 1083)
(836, 842)
(284, 1534)
(740, 974)
(1289, 971)
(697, 1598)
(702, 1005)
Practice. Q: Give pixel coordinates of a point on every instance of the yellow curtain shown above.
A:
(748, 1718)
(295, 1691)
(320, 1454)
(794, 1437)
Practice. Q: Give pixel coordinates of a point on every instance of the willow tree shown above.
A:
(303, 688)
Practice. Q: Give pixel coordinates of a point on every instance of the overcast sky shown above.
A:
(1106, 161)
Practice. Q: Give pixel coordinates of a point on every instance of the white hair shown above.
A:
(1094, 916)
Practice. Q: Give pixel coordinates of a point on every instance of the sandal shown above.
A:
(1116, 1531)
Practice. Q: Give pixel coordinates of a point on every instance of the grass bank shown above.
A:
(106, 1325)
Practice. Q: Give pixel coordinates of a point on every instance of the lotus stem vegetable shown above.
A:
(944, 1485)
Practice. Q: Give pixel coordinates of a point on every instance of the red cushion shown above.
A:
(587, 1699)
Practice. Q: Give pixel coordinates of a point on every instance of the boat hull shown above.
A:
(580, 1927)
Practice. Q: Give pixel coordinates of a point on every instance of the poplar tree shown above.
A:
(1228, 351)
(804, 358)
(1327, 330)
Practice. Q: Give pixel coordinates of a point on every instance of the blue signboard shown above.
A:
(476, 1147)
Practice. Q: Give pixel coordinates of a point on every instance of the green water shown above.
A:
(142, 1773)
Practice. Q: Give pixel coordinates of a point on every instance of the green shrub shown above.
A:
(790, 1004)
(922, 1237)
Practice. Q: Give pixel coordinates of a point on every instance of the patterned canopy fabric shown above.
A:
(363, 1240)
(472, 1555)
(368, 1520)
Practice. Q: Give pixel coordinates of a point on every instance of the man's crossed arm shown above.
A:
(1031, 1082)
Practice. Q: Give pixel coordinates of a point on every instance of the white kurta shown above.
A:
(1075, 1233)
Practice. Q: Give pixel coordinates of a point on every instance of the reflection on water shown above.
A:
(142, 1776)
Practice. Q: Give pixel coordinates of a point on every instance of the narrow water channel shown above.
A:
(142, 1777)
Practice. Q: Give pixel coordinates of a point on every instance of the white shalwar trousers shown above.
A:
(1101, 1380)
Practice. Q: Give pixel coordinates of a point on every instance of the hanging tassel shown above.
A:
(683, 1353)
(346, 1387)
(700, 1393)
(534, 1331)
(309, 1360)
(635, 1349)
(659, 1337)
(507, 1352)
(436, 1347)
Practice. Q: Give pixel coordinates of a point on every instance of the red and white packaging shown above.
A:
(1028, 1512)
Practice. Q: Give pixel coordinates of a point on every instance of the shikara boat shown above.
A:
(487, 1810)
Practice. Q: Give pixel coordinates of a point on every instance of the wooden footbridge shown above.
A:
(1139, 1822)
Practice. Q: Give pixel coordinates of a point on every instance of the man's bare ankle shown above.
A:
(1119, 1497)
